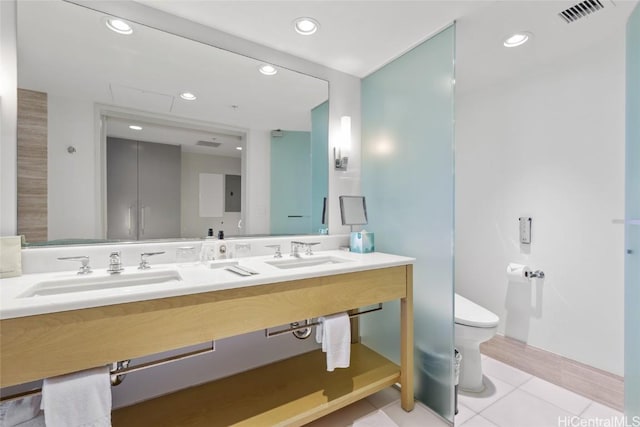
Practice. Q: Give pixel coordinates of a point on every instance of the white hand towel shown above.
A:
(376, 419)
(17, 411)
(35, 422)
(335, 332)
(81, 399)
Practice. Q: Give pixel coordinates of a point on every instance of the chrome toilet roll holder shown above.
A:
(538, 274)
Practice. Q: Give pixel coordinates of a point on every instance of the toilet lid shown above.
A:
(471, 314)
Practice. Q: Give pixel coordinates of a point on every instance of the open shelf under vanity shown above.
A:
(291, 392)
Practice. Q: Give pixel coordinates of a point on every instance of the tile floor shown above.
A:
(512, 398)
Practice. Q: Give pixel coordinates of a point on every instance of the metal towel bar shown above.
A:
(124, 368)
(310, 324)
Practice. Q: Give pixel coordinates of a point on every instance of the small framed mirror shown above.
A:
(353, 210)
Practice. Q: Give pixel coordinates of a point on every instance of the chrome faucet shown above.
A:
(295, 248)
(115, 263)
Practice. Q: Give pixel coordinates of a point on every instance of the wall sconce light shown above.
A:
(341, 150)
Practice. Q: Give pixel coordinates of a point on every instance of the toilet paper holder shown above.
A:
(538, 274)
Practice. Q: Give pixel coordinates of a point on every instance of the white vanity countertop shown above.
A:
(196, 278)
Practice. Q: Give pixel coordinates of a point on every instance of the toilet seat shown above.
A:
(469, 313)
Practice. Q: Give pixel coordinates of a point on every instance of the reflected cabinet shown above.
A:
(143, 190)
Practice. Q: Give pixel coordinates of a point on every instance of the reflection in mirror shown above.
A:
(87, 93)
(353, 210)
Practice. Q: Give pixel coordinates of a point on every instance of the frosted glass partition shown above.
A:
(408, 180)
(632, 226)
(291, 182)
(319, 164)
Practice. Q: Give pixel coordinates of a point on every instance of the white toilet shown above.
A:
(474, 325)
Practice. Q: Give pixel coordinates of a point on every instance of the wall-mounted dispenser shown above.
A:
(525, 229)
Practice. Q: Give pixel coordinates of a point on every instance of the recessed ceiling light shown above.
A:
(188, 96)
(517, 39)
(268, 70)
(119, 26)
(135, 127)
(239, 148)
(306, 26)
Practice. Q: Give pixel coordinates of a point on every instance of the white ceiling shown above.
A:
(165, 132)
(482, 60)
(358, 37)
(355, 37)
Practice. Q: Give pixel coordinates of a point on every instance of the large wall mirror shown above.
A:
(125, 153)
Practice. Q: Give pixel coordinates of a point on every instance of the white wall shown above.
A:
(72, 177)
(257, 191)
(8, 118)
(550, 145)
(193, 164)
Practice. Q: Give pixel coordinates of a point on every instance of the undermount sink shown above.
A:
(98, 282)
(306, 262)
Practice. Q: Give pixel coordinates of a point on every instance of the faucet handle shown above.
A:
(309, 246)
(84, 268)
(277, 254)
(144, 262)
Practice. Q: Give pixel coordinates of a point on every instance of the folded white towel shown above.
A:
(35, 422)
(375, 419)
(79, 399)
(17, 411)
(334, 332)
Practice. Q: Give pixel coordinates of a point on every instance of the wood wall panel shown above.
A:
(32, 165)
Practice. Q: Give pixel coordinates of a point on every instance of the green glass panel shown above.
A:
(632, 226)
(319, 164)
(291, 182)
(408, 182)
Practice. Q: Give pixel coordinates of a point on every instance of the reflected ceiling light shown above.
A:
(239, 148)
(135, 127)
(517, 39)
(119, 26)
(268, 70)
(188, 96)
(306, 26)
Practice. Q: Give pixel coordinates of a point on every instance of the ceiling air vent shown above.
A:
(583, 9)
(208, 144)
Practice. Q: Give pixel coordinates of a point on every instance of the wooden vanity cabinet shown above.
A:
(46, 345)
